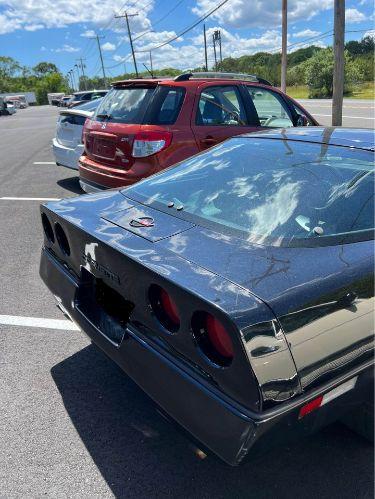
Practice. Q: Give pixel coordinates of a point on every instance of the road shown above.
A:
(356, 112)
(72, 425)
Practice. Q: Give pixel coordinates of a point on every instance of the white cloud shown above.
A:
(43, 48)
(261, 13)
(354, 16)
(88, 33)
(61, 13)
(306, 33)
(370, 33)
(66, 48)
(119, 58)
(108, 47)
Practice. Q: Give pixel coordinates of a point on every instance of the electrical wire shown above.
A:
(186, 30)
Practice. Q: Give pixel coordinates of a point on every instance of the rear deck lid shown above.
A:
(148, 223)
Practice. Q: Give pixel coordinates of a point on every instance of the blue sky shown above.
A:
(59, 31)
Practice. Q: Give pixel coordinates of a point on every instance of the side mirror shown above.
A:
(302, 121)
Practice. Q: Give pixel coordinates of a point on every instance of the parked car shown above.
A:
(68, 145)
(144, 126)
(8, 108)
(236, 288)
(79, 98)
(64, 101)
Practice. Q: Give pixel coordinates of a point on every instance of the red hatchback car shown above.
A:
(143, 126)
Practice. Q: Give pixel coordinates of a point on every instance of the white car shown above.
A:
(67, 145)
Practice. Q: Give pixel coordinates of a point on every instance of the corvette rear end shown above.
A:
(244, 346)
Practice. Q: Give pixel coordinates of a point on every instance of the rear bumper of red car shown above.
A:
(98, 177)
(219, 424)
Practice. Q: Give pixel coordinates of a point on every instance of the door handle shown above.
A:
(209, 140)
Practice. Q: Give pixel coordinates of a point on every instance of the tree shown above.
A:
(44, 68)
(319, 73)
(53, 82)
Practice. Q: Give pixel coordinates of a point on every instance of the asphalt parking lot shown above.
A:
(72, 425)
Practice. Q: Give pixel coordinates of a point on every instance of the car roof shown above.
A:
(195, 82)
(89, 91)
(358, 138)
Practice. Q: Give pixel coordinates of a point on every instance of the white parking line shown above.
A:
(44, 163)
(28, 199)
(14, 320)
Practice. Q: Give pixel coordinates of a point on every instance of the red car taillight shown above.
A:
(150, 142)
(83, 131)
(219, 338)
(165, 308)
(212, 338)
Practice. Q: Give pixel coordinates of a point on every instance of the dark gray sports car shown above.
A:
(236, 288)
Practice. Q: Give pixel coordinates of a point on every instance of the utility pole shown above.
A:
(216, 38)
(97, 38)
(339, 62)
(82, 66)
(205, 46)
(78, 75)
(213, 41)
(284, 38)
(151, 68)
(126, 15)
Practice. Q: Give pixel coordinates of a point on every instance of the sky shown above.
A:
(61, 31)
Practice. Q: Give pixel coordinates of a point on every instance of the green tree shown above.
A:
(44, 68)
(319, 73)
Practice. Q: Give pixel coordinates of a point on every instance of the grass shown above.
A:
(364, 90)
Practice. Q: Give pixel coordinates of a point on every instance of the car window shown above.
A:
(125, 105)
(220, 105)
(279, 192)
(166, 107)
(271, 109)
(302, 118)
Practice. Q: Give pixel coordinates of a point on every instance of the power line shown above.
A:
(126, 16)
(186, 30)
(159, 21)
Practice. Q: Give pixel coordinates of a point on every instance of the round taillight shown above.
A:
(212, 338)
(165, 308)
(62, 239)
(47, 227)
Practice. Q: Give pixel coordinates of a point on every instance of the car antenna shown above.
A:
(151, 73)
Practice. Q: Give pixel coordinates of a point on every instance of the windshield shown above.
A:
(275, 191)
(89, 106)
(125, 105)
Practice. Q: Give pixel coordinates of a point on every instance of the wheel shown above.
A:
(362, 421)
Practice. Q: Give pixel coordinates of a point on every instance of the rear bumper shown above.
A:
(66, 156)
(91, 172)
(219, 424)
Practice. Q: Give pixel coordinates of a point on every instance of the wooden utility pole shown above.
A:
(97, 38)
(284, 39)
(82, 66)
(205, 46)
(126, 15)
(339, 62)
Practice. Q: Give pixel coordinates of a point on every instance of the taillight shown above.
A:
(83, 131)
(62, 239)
(150, 142)
(165, 308)
(48, 228)
(212, 338)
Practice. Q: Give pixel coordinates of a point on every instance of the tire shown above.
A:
(362, 421)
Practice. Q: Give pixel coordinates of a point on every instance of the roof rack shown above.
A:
(224, 76)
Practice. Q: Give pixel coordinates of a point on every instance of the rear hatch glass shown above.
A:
(131, 106)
